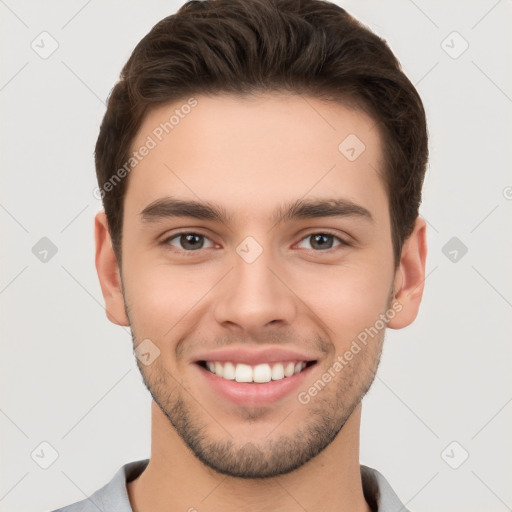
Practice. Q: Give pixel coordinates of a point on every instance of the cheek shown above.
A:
(160, 295)
(162, 299)
(347, 299)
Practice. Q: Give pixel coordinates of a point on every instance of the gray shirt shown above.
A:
(113, 497)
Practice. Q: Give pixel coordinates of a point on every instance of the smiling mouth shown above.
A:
(259, 373)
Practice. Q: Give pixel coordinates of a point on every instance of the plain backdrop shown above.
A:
(437, 420)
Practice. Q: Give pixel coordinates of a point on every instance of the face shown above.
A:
(282, 262)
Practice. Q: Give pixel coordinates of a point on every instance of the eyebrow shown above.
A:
(169, 207)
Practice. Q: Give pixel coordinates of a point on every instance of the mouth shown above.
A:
(253, 385)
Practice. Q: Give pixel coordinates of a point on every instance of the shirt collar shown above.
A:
(114, 496)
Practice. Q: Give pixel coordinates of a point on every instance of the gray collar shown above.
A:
(113, 497)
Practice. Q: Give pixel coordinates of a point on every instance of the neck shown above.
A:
(176, 480)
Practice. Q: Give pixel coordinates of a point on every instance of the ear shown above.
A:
(108, 272)
(410, 276)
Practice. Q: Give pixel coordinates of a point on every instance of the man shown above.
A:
(260, 164)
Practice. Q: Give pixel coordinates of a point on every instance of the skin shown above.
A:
(250, 155)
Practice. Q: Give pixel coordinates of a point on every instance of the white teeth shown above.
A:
(219, 369)
(277, 371)
(260, 373)
(229, 371)
(243, 372)
(289, 370)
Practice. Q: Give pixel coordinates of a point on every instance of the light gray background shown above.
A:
(68, 376)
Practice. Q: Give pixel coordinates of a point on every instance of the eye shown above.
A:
(188, 241)
(323, 241)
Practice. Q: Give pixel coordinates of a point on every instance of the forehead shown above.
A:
(248, 152)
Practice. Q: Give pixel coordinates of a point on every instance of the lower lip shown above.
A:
(254, 394)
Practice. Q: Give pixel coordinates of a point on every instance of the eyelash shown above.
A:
(343, 243)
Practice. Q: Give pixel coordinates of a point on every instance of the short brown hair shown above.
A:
(311, 47)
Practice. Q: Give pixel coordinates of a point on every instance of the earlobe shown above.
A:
(108, 272)
(410, 277)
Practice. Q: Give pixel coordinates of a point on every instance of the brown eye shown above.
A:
(322, 241)
(187, 241)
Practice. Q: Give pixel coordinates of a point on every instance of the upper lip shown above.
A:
(254, 356)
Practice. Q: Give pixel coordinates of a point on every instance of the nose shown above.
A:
(255, 294)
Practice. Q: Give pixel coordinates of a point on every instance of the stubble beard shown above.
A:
(318, 423)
